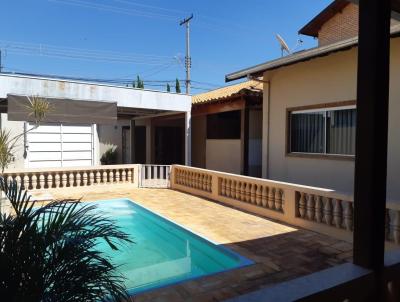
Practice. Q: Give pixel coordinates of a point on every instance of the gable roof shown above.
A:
(227, 92)
(312, 28)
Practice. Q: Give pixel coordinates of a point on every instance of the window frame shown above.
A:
(344, 105)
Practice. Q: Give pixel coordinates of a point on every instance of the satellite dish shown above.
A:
(284, 46)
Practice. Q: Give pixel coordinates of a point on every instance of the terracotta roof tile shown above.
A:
(226, 92)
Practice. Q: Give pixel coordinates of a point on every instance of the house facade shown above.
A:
(309, 106)
(227, 129)
(87, 119)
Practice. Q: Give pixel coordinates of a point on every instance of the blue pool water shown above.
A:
(164, 252)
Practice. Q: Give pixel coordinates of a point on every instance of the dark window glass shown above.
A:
(327, 132)
(307, 132)
(225, 125)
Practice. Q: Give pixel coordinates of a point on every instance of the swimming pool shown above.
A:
(164, 253)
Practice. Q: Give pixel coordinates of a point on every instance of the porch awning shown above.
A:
(64, 111)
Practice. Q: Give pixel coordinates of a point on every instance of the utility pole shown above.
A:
(188, 59)
(1, 62)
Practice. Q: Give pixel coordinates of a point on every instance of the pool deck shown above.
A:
(280, 252)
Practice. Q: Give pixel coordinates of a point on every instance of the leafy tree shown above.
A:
(168, 87)
(177, 86)
(49, 253)
(139, 83)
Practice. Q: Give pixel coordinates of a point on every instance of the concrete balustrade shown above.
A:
(39, 179)
(321, 210)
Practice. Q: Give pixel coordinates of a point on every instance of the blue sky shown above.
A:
(118, 39)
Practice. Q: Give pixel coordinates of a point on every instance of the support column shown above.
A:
(188, 139)
(132, 140)
(265, 130)
(244, 137)
(149, 138)
(372, 138)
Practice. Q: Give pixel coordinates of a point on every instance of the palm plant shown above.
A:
(48, 253)
(38, 108)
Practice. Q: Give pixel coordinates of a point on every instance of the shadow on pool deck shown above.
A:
(277, 258)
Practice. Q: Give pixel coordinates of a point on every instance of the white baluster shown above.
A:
(34, 182)
(248, 192)
(41, 181)
(318, 209)
(117, 176)
(18, 179)
(271, 198)
(49, 180)
(278, 200)
(57, 180)
(129, 175)
(26, 182)
(253, 194)
(302, 204)
(310, 207)
(64, 180)
(348, 215)
(104, 180)
(91, 178)
(223, 186)
(78, 179)
(84, 179)
(98, 177)
(123, 175)
(259, 195)
(240, 190)
(111, 176)
(264, 197)
(328, 211)
(209, 189)
(71, 178)
(228, 187)
(337, 213)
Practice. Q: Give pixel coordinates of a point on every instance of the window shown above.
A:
(323, 131)
(225, 125)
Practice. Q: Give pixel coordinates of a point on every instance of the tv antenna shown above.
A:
(284, 46)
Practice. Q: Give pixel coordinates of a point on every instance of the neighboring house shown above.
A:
(309, 106)
(88, 118)
(227, 129)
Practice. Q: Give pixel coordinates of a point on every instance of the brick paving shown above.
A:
(280, 252)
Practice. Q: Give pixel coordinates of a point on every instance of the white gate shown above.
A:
(155, 176)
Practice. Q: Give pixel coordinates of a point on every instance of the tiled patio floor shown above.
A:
(280, 252)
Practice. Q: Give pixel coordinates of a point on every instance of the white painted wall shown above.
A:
(322, 80)
(223, 155)
(110, 136)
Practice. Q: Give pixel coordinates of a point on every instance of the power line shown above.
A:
(85, 54)
(115, 9)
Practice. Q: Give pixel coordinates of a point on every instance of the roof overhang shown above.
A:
(302, 56)
(312, 28)
(130, 101)
(395, 8)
